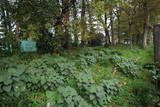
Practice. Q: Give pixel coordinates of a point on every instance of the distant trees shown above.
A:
(77, 22)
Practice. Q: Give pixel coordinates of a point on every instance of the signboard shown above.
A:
(28, 46)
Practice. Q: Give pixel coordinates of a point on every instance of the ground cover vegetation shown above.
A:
(80, 81)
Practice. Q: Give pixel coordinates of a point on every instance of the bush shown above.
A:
(43, 79)
(47, 73)
(81, 64)
(60, 65)
(64, 67)
(92, 92)
(96, 94)
(10, 62)
(84, 80)
(66, 97)
(91, 60)
(12, 84)
(41, 63)
(111, 88)
(93, 56)
(126, 66)
(153, 69)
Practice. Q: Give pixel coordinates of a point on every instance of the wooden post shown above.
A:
(156, 41)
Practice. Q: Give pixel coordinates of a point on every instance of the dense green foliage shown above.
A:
(43, 79)
(76, 81)
(127, 66)
(111, 87)
(12, 84)
(153, 68)
(66, 97)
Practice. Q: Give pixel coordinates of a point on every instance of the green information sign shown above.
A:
(28, 46)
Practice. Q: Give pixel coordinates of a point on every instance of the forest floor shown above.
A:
(136, 88)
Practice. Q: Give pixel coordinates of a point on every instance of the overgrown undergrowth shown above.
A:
(89, 77)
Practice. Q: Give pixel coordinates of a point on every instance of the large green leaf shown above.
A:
(15, 72)
(4, 75)
(8, 81)
(7, 88)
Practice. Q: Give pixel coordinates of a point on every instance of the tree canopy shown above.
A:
(64, 24)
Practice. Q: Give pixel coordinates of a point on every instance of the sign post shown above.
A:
(28, 46)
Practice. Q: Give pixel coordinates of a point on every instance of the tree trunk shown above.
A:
(145, 35)
(76, 39)
(17, 32)
(90, 17)
(129, 34)
(118, 32)
(112, 29)
(65, 15)
(106, 31)
(146, 26)
(58, 22)
(83, 25)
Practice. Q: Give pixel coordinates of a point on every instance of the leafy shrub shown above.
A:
(12, 84)
(84, 80)
(127, 66)
(59, 64)
(81, 64)
(100, 56)
(111, 88)
(6, 63)
(12, 80)
(43, 79)
(47, 73)
(89, 59)
(92, 92)
(66, 97)
(153, 69)
(41, 63)
(96, 95)
(151, 66)
(93, 56)
(64, 67)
